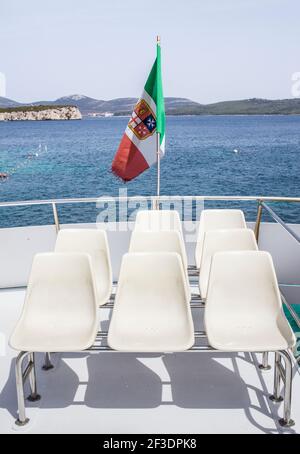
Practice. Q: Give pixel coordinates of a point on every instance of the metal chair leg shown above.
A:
(276, 397)
(286, 421)
(47, 364)
(22, 420)
(34, 396)
(265, 363)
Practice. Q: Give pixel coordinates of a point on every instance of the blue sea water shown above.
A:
(199, 160)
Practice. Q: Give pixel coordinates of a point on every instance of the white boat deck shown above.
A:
(110, 392)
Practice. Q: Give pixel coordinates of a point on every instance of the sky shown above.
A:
(212, 50)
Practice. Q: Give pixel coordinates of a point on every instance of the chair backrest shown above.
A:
(93, 242)
(222, 240)
(153, 241)
(151, 311)
(242, 283)
(152, 272)
(214, 220)
(158, 220)
(61, 285)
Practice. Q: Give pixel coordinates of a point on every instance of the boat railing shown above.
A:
(260, 200)
(261, 206)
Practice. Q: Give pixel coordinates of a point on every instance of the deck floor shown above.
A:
(152, 393)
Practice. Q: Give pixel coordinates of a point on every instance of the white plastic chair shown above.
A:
(217, 220)
(222, 240)
(59, 314)
(93, 242)
(158, 220)
(244, 313)
(151, 311)
(243, 306)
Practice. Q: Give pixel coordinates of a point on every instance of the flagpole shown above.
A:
(158, 153)
(158, 162)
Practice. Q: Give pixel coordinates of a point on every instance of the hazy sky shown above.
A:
(212, 49)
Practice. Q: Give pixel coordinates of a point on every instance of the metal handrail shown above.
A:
(162, 197)
(280, 221)
(54, 202)
(262, 205)
(293, 313)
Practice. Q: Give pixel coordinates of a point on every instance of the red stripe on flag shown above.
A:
(129, 162)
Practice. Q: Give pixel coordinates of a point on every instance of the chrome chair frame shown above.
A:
(281, 373)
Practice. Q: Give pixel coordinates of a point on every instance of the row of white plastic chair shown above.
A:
(145, 238)
(217, 219)
(223, 235)
(169, 220)
(152, 312)
(243, 310)
(219, 230)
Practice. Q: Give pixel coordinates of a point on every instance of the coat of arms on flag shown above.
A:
(143, 121)
(139, 148)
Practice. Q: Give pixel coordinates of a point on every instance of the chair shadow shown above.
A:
(118, 380)
(8, 395)
(204, 382)
(66, 384)
(213, 386)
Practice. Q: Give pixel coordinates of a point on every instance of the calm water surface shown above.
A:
(200, 160)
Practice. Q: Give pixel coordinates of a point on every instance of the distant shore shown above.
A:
(40, 113)
(174, 106)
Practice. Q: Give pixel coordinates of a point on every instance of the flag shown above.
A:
(138, 148)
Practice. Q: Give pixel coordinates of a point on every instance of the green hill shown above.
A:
(174, 106)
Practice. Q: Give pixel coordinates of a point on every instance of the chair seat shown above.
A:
(60, 310)
(243, 307)
(53, 337)
(151, 312)
(157, 328)
(248, 337)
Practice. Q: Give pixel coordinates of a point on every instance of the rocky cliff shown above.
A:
(41, 113)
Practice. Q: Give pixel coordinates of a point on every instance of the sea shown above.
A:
(205, 155)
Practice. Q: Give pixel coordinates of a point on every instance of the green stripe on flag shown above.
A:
(154, 89)
(150, 86)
